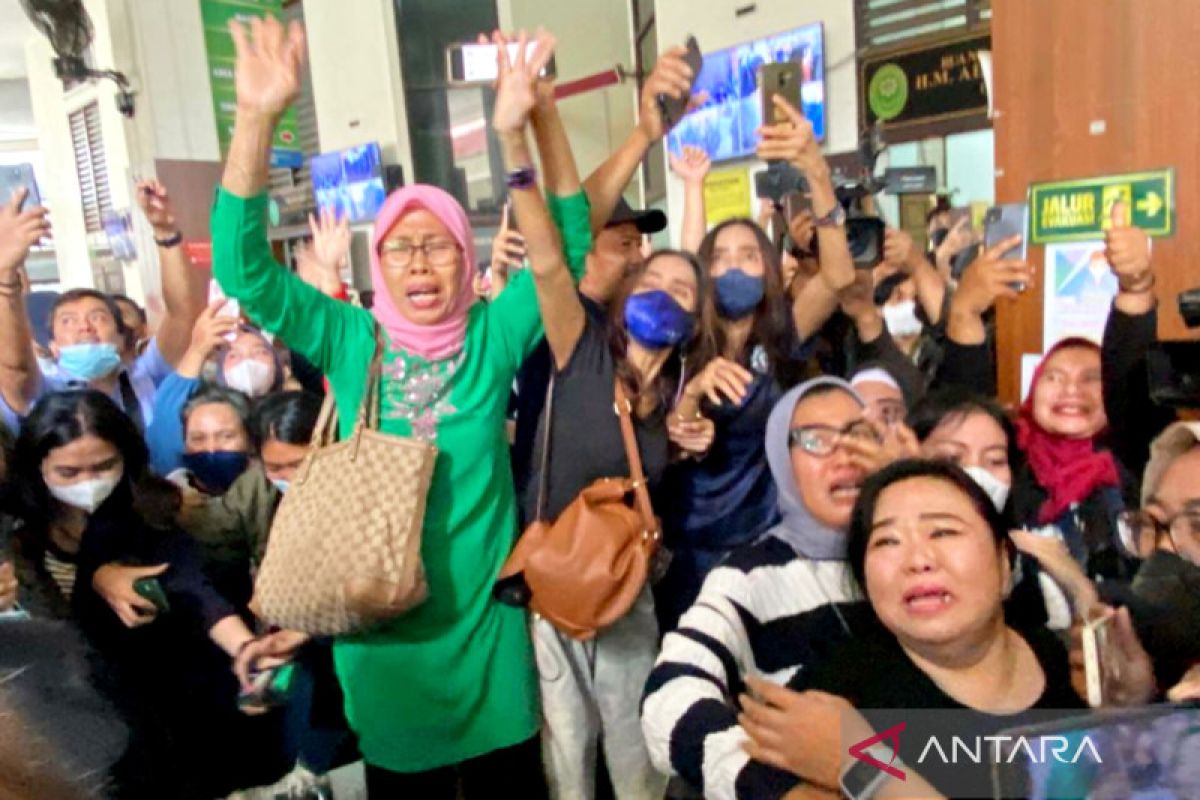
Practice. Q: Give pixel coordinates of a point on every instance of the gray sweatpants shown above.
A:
(592, 691)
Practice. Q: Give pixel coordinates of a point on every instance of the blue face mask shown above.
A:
(656, 321)
(216, 471)
(738, 294)
(281, 485)
(89, 361)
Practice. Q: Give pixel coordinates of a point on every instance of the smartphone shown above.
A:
(673, 108)
(865, 235)
(475, 64)
(270, 688)
(782, 80)
(1098, 664)
(152, 590)
(1001, 222)
(16, 176)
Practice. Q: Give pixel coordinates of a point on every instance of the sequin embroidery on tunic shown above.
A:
(418, 390)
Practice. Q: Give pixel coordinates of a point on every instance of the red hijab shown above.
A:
(1068, 469)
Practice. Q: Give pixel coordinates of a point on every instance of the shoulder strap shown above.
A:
(368, 410)
(641, 491)
(544, 467)
(129, 399)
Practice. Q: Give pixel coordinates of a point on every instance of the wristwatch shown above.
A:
(862, 781)
(171, 241)
(834, 219)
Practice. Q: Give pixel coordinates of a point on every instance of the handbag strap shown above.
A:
(368, 409)
(624, 411)
(544, 468)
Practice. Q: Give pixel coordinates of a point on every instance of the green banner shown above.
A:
(1073, 211)
(216, 14)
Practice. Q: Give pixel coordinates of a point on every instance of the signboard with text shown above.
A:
(216, 14)
(926, 84)
(726, 195)
(1081, 210)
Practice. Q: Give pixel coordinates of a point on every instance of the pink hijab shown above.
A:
(443, 339)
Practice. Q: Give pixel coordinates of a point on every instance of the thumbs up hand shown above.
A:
(1128, 252)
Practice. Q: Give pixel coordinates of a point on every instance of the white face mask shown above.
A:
(901, 319)
(991, 485)
(85, 495)
(250, 377)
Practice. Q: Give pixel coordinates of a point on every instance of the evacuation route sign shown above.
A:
(1074, 211)
(285, 148)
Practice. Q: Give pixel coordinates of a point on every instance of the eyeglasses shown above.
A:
(401, 252)
(1140, 532)
(822, 440)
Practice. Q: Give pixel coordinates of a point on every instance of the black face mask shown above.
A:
(1166, 607)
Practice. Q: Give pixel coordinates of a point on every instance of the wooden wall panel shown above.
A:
(1062, 65)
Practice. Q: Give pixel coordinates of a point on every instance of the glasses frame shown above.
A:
(1170, 529)
(390, 251)
(795, 435)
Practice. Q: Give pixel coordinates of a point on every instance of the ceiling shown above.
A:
(15, 29)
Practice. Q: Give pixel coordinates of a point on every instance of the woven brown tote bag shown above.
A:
(345, 547)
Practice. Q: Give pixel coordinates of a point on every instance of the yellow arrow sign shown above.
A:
(1151, 204)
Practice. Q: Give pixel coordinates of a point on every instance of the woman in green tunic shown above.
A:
(448, 690)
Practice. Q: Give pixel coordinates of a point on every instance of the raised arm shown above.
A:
(562, 311)
(19, 231)
(793, 141)
(671, 76)
(1132, 329)
(899, 251)
(269, 59)
(692, 168)
(988, 278)
(184, 288)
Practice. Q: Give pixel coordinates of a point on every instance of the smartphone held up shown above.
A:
(472, 64)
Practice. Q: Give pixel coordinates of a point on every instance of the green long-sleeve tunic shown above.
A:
(455, 677)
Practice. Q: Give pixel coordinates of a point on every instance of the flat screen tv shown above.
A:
(724, 126)
(350, 182)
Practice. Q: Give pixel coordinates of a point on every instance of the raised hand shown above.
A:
(320, 263)
(692, 166)
(991, 277)
(516, 86)
(672, 77)
(210, 332)
(1128, 252)
(899, 250)
(155, 203)
(269, 59)
(19, 231)
(792, 141)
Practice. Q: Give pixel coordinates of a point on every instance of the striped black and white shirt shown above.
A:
(766, 612)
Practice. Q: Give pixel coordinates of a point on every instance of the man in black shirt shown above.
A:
(616, 253)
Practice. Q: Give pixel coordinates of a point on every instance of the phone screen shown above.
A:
(1097, 659)
(476, 63)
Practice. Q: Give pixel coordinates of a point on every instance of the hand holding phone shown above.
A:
(672, 105)
(781, 80)
(477, 64)
(269, 688)
(151, 589)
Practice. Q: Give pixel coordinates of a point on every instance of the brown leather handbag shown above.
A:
(585, 570)
(345, 548)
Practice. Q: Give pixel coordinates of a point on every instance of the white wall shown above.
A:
(716, 26)
(358, 87)
(592, 37)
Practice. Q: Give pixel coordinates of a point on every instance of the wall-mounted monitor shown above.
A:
(350, 182)
(724, 126)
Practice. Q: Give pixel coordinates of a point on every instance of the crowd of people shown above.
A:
(852, 518)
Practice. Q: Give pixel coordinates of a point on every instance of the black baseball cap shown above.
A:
(650, 220)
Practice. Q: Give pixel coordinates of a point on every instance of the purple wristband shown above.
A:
(521, 178)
